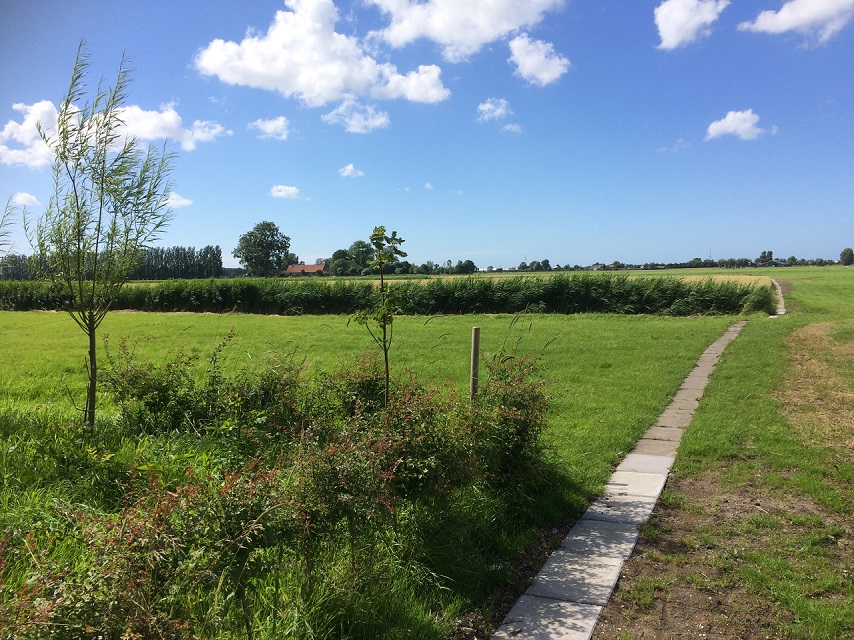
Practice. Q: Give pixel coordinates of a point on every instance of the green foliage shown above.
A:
(386, 248)
(251, 532)
(263, 251)
(560, 293)
(109, 202)
(846, 257)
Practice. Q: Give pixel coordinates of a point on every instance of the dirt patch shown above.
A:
(687, 576)
(818, 398)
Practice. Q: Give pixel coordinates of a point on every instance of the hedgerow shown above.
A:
(561, 293)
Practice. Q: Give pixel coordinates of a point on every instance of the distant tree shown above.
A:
(264, 250)
(109, 202)
(465, 267)
(847, 256)
(765, 258)
(545, 264)
(523, 266)
(361, 253)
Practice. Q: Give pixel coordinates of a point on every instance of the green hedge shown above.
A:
(562, 293)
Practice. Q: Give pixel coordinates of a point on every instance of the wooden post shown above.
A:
(475, 361)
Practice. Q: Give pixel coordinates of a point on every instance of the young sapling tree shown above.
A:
(386, 249)
(109, 202)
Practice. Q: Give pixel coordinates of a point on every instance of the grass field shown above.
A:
(608, 377)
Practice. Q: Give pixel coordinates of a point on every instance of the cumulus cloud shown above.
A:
(277, 128)
(536, 61)
(302, 56)
(166, 123)
(357, 117)
(23, 199)
(817, 19)
(512, 128)
(286, 192)
(428, 186)
(177, 201)
(460, 28)
(20, 143)
(493, 109)
(350, 171)
(742, 124)
(681, 22)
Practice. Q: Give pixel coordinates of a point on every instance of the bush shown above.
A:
(292, 490)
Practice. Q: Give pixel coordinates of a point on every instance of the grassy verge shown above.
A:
(754, 534)
(608, 377)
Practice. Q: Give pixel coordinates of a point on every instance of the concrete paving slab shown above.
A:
(646, 463)
(534, 618)
(577, 577)
(632, 483)
(688, 395)
(687, 405)
(656, 447)
(620, 508)
(602, 538)
(695, 381)
(661, 432)
(674, 419)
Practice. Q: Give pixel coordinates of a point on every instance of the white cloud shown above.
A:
(350, 171)
(286, 192)
(536, 61)
(428, 186)
(819, 19)
(22, 199)
(356, 117)
(742, 124)
(20, 143)
(29, 150)
(177, 201)
(680, 145)
(682, 22)
(166, 123)
(512, 128)
(493, 109)
(461, 28)
(302, 56)
(277, 128)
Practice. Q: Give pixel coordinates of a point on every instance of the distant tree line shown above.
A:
(156, 263)
(356, 259)
(159, 263)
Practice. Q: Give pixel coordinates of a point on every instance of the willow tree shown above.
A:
(109, 203)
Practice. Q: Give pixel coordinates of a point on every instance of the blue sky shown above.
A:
(492, 130)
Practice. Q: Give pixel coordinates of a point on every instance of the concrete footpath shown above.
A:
(568, 594)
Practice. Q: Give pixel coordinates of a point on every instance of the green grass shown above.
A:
(608, 378)
(796, 562)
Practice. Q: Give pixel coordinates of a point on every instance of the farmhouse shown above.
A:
(306, 269)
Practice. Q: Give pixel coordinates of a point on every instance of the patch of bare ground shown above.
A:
(688, 576)
(685, 578)
(819, 397)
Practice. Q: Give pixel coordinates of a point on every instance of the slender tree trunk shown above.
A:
(91, 389)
